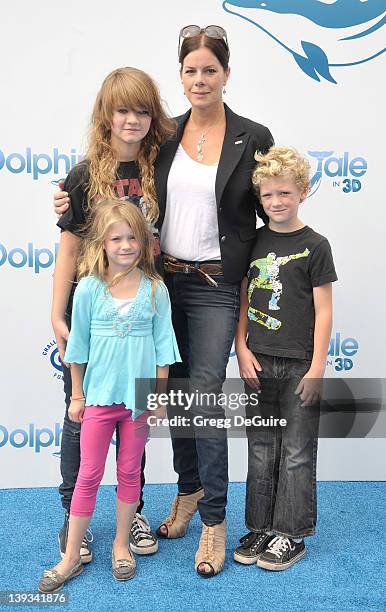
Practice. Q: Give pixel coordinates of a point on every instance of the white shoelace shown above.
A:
(140, 525)
(258, 542)
(279, 545)
(88, 538)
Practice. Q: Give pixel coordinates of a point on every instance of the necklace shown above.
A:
(200, 154)
(202, 140)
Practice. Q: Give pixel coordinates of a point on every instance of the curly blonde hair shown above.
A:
(281, 162)
(129, 88)
(93, 261)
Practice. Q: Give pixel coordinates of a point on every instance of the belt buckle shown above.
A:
(186, 269)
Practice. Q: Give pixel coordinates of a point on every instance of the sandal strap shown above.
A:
(181, 513)
(211, 549)
(173, 513)
(208, 543)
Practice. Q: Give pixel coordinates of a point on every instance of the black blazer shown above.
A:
(236, 201)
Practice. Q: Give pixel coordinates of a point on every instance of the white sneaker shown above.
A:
(142, 539)
(85, 550)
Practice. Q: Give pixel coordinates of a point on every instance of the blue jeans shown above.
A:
(281, 482)
(204, 320)
(70, 448)
(70, 452)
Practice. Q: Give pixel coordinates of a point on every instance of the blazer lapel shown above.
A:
(235, 141)
(163, 163)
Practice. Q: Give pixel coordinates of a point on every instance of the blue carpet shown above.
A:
(342, 571)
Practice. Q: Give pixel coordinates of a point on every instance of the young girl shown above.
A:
(128, 126)
(121, 328)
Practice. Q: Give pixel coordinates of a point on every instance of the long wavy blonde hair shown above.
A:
(134, 89)
(93, 261)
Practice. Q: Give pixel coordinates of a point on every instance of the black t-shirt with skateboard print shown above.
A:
(284, 269)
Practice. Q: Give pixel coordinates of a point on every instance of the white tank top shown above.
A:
(190, 228)
(123, 305)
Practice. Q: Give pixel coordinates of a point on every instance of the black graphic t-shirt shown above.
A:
(126, 187)
(284, 269)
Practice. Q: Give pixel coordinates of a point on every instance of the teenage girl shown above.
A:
(128, 126)
(122, 331)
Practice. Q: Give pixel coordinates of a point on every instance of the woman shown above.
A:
(207, 223)
(207, 215)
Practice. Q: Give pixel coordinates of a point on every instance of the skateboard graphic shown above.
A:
(268, 278)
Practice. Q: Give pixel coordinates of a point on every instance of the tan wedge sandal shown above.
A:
(211, 549)
(183, 508)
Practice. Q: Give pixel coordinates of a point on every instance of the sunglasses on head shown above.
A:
(213, 31)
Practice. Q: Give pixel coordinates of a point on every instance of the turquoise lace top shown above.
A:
(120, 349)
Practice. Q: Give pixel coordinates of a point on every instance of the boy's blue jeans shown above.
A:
(281, 482)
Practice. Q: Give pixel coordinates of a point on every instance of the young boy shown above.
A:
(286, 313)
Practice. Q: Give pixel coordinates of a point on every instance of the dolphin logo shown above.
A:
(318, 35)
(317, 177)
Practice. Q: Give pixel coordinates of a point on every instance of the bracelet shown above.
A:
(81, 397)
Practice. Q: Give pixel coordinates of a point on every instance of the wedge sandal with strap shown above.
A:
(211, 549)
(182, 511)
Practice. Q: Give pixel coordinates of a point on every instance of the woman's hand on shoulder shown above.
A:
(61, 200)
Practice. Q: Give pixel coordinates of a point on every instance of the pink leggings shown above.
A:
(96, 432)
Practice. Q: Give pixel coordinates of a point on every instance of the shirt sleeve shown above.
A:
(78, 344)
(267, 141)
(165, 342)
(74, 218)
(321, 266)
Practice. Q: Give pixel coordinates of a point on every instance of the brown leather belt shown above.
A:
(205, 270)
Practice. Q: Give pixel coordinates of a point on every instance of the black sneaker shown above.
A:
(142, 540)
(281, 554)
(85, 551)
(252, 545)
